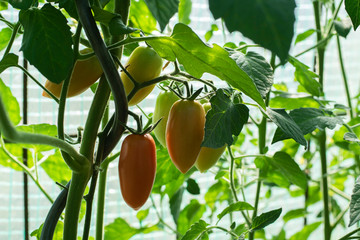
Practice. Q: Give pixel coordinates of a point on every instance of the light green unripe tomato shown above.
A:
(164, 102)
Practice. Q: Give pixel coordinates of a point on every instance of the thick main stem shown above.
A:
(73, 204)
(322, 135)
(99, 231)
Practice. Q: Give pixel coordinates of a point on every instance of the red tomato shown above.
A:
(137, 168)
(185, 132)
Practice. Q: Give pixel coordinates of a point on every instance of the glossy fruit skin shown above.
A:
(144, 64)
(164, 102)
(86, 73)
(137, 169)
(184, 133)
(208, 156)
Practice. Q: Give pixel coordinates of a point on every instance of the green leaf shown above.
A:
(290, 169)
(162, 10)
(3, 6)
(175, 204)
(142, 214)
(238, 206)
(47, 42)
(56, 168)
(166, 172)
(309, 119)
(117, 27)
(193, 187)
(22, 4)
(5, 35)
(290, 102)
(353, 9)
(303, 36)
(189, 215)
(306, 78)
(269, 23)
(103, 16)
(351, 137)
(339, 134)
(286, 124)
(296, 213)
(305, 232)
(9, 60)
(70, 7)
(265, 219)
(120, 229)
(217, 193)
(258, 69)
(185, 11)
(43, 128)
(209, 34)
(141, 17)
(195, 230)
(58, 233)
(270, 173)
(223, 120)
(198, 58)
(12, 106)
(343, 27)
(113, 20)
(16, 151)
(355, 204)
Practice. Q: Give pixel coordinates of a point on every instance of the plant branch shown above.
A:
(24, 169)
(343, 72)
(232, 184)
(347, 236)
(12, 38)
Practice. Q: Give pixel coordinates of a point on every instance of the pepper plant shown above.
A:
(274, 135)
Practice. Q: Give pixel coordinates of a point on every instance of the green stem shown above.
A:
(161, 220)
(340, 217)
(232, 184)
(262, 144)
(222, 229)
(10, 24)
(322, 138)
(38, 83)
(343, 72)
(99, 231)
(24, 169)
(95, 115)
(340, 193)
(10, 133)
(12, 38)
(334, 18)
(347, 236)
(63, 94)
(75, 196)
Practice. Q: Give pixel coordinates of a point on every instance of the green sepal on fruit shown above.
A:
(85, 73)
(144, 64)
(164, 102)
(208, 157)
(185, 133)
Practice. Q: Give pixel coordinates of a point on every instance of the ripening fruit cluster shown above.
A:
(182, 131)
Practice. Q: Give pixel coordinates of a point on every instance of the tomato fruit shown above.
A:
(185, 132)
(208, 156)
(86, 73)
(144, 64)
(137, 168)
(164, 102)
